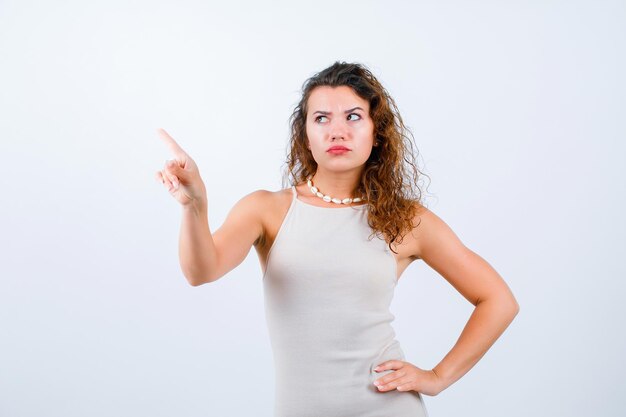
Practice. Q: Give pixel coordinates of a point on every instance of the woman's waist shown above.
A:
(344, 363)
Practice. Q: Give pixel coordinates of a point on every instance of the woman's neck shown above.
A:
(336, 185)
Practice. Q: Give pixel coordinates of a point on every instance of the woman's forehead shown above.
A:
(330, 99)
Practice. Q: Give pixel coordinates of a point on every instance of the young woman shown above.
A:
(332, 247)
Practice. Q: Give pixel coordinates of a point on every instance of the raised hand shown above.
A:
(180, 175)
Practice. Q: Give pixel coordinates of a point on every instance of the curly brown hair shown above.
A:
(385, 181)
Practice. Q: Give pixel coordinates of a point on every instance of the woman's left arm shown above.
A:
(437, 245)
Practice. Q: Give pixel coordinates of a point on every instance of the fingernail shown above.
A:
(377, 368)
(175, 183)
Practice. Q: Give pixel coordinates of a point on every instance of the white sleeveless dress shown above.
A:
(327, 292)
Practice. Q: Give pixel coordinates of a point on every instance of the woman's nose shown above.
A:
(338, 129)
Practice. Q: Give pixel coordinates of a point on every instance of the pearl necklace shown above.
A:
(328, 198)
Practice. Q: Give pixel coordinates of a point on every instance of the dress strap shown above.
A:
(295, 193)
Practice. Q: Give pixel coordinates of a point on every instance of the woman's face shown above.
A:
(337, 116)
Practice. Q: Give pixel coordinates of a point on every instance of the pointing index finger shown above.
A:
(171, 143)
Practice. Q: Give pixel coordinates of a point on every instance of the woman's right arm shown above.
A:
(196, 248)
(205, 256)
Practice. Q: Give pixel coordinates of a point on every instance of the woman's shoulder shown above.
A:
(266, 199)
(420, 208)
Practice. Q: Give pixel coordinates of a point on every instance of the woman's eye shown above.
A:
(317, 119)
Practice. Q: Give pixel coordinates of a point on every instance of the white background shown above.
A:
(518, 112)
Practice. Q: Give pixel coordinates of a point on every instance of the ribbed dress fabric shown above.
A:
(327, 292)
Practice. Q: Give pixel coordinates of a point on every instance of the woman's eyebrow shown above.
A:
(347, 111)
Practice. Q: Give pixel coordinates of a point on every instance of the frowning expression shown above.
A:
(338, 117)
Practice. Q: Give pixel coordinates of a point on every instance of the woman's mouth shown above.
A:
(337, 150)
